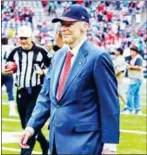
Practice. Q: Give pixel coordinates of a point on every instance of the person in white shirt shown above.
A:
(120, 70)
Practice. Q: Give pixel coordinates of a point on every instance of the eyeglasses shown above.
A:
(23, 38)
(67, 24)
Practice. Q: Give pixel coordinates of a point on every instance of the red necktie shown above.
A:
(64, 74)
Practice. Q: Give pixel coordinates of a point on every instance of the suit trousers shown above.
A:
(26, 101)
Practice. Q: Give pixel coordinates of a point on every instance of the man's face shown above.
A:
(117, 53)
(25, 42)
(37, 39)
(71, 31)
(133, 53)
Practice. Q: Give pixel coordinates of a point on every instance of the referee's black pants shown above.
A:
(26, 101)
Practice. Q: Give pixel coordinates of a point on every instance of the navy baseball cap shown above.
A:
(73, 13)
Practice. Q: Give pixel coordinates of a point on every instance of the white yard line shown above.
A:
(144, 115)
(14, 120)
(17, 150)
(133, 132)
(4, 102)
(10, 120)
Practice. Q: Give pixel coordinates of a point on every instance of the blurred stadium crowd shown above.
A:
(113, 23)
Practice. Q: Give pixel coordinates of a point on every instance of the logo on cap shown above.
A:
(66, 11)
(83, 17)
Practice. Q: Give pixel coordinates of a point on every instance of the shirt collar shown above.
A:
(75, 50)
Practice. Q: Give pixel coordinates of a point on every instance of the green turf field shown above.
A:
(133, 136)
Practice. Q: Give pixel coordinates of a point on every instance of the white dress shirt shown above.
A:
(75, 50)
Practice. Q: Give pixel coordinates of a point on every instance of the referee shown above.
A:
(32, 62)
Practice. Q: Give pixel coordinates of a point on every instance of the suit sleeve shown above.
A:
(106, 84)
(41, 111)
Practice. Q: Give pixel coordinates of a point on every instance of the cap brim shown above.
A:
(67, 19)
(23, 36)
(134, 49)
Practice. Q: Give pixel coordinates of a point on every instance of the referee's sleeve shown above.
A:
(11, 56)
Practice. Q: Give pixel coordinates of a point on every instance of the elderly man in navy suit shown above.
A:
(79, 94)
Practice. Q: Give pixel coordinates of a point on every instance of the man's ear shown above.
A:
(84, 27)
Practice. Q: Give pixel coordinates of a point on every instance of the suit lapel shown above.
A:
(77, 66)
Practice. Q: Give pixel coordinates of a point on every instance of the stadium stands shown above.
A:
(113, 23)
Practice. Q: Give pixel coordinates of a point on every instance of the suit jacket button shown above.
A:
(58, 123)
(58, 106)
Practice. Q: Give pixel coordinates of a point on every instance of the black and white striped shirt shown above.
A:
(26, 61)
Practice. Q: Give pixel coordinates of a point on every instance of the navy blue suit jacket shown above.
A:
(87, 115)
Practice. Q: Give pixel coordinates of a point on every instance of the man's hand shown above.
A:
(135, 67)
(7, 72)
(24, 139)
(108, 152)
(129, 67)
(40, 72)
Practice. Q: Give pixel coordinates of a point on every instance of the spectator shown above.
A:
(7, 80)
(120, 68)
(58, 41)
(135, 73)
(44, 3)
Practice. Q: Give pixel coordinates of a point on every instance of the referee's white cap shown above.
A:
(24, 31)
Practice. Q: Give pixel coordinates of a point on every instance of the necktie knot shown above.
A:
(69, 54)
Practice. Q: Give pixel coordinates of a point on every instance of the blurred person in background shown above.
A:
(58, 41)
(7, 80)
(38, 39)
(135, 74)
(32, 62)
(120, 69)
(57, 44)
(83, 119)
